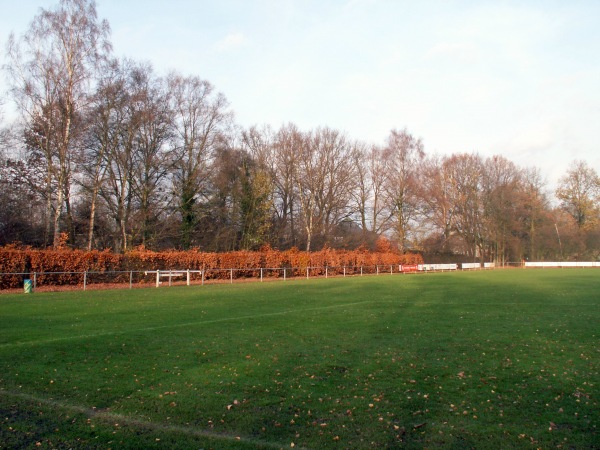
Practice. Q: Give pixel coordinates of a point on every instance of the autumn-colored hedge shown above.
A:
(68, 266)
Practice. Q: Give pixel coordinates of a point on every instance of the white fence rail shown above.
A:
(438, 267)
(561, 264)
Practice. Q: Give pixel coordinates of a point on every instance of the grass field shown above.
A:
(501, 359)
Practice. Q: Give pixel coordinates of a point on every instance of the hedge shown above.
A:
(68, 265)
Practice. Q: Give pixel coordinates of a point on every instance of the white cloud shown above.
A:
(232, 41)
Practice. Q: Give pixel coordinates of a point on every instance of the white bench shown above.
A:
(170, 274)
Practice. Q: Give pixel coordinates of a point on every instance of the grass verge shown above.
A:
(480, 359)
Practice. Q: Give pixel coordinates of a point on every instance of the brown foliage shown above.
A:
(68, 266)
(383, 245)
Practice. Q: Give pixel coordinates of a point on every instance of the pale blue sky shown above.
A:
(515, 78)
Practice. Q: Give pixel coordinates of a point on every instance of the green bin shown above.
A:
(28, 286)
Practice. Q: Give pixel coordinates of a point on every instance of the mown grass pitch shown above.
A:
(483, 359)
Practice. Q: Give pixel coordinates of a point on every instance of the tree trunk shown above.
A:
(69, 219)
(123, 236)
(57, 213)
(92, 218)
(48, 228)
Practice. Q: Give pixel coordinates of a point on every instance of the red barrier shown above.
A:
(409, 268)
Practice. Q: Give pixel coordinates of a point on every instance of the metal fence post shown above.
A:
(251, 272)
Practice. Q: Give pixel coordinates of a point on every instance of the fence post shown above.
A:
(361, 271)
(344, 271)
(157, 277)
(326, 271)
(377, 267)
(391, 269)
(202, 272)
(231, 277)
(261, 275)
(284, 274)
(84, 279)
(307, 273)
(188, 277)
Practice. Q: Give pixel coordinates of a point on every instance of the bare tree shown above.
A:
(362, 192)
(436, 194)
(305, 175)
(336, 179)
(502, 182)
(368, 191)
(465, 172)
(19, 194)
(381, 214)
(258, 188)
(287, 147)
(402, 154)
(535, 209)
(223, 223)
(579, 194)
(324, 175)
(4, 133)
(153, 159)
(51, 69)
(256, 204)
(102, 142)
(200, 118)
(134, 165)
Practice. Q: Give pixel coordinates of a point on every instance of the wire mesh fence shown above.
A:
(171, 277)
(47, 281)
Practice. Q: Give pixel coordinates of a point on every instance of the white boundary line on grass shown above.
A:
(253, 316)
(108, 417)
(185, 324)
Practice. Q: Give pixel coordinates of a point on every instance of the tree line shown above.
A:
(107, 154)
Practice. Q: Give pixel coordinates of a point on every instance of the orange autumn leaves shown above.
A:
(73, 263)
